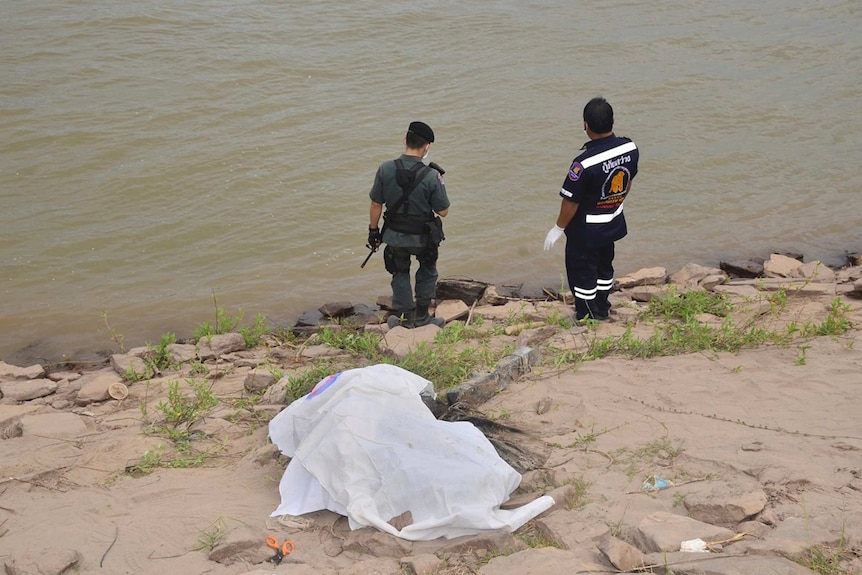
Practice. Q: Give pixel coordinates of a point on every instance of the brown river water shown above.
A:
(158, 159)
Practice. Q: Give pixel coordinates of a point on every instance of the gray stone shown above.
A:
(13, 371)
(710, 282)
(182, 352)
(400, 341)
(258, 379)
(817, 271)
(498, 541)
(520, 311)
(643, 277)
(782, 267)
(10, 419)
(661, 531)
(623, 556)
(322, 350)
(59, 376)
(94, 387)
(422, 564)
(569, 530)
(714, 564)
(217, 345)
(518, 363)
(452, 309)
(546, 561)
(241, 544)
(476, 390)
(336, 309)
(370, 541)
(646, 293)
(534, 337)
(61, 424)
(724, 504)
(742, 268)
(739, 291)
(130, 364)
(691, 275)
(25, 390)
(51, 561)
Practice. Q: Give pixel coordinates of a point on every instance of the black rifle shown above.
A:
(373, 249)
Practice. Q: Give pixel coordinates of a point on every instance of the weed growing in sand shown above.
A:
(198, 368)
(440, 364)
(351, 339)
(210, 537)
(633, 460)
(154, 459)
(534, 538)
(685, 306)
(181, 411)
(836, 323)
(460, 332)
(577, 496)
(302, 383)
(253, 334)
(158, 356)
(826, 561)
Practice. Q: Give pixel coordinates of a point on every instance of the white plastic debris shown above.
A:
(655, 483)
(363, 444)
(694, 546)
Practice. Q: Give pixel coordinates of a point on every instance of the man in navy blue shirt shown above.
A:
(591, 213)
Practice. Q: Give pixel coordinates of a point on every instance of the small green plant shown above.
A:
(352, 340)
(116, 337)
(158, 357)
(254, 333)
(577, 496)
(198, 368)
(836, 322)
(223, 322)
(154, 459)
(210, 537)
(181, 410)
(825, 561)
(801, 359)
(535, 538)
(778, 300)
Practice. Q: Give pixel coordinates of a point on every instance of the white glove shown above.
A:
(553, 236)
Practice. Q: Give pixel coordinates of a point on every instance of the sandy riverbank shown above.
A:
(777, 420)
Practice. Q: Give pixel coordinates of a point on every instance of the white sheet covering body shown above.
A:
(363, 444)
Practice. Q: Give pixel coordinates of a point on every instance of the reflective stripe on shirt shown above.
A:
(603, 218)
(608, 154)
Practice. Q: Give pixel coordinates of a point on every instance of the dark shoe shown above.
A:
(420, 321)
(582, 319)
(403, 319)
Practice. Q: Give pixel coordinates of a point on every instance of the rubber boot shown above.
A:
(402, 318)
(424, 318)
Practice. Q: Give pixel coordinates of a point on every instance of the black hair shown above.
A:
(414, 141)
(599, 116)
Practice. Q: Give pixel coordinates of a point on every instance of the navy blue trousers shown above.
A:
(590, 273)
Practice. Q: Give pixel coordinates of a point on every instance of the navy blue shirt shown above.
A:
(599, 182)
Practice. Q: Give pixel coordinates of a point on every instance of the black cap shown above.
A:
(422, 130)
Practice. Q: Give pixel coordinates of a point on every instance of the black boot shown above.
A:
(403, 318)
(424, 318)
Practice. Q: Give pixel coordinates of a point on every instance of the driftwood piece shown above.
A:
(518, 448)
(467, 290)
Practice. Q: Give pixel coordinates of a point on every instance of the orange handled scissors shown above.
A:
(280, 552)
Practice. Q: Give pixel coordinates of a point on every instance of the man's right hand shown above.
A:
(375, 238)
